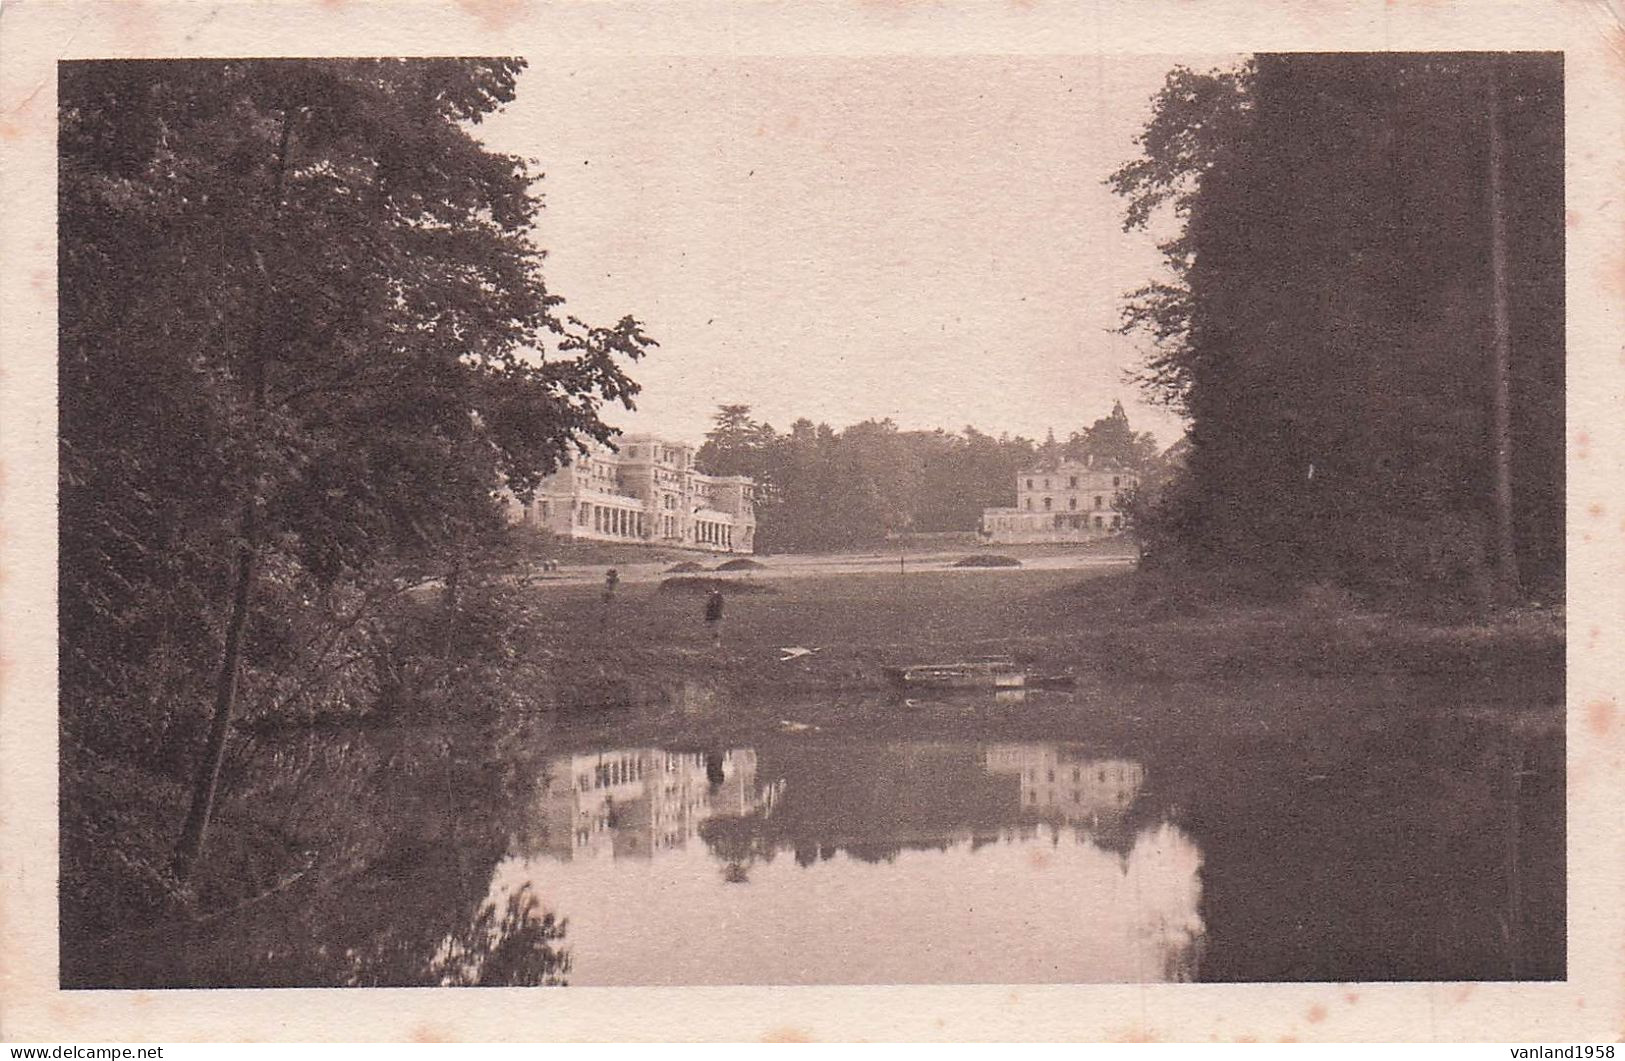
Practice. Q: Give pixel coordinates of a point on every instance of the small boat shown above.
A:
(984, 672)
(989, 672)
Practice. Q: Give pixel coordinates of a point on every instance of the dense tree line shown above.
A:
(304, 340)
(1362, 315)
(820, 488)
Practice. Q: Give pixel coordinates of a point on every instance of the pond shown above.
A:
(1416, 845)
(839, 861)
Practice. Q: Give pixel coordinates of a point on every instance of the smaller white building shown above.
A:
(1070, 502)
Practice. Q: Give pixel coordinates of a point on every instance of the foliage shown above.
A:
(305, 339)
(729, 444)
(389, 837)
(988, 560)
(709, 583)
(823, 489)
(514, 948)
(1111, 441)
(1196, 120)
(1326, 314)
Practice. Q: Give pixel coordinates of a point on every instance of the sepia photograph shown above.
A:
(1016, 521)
(803, 512)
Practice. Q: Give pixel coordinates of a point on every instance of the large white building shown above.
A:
(646, 491)
(1066, 503)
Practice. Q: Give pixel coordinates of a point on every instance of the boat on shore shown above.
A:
(996, 673)
(988, 672)
(985, 672)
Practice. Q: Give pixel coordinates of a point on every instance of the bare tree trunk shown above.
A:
(204, 788)
(1506, 557)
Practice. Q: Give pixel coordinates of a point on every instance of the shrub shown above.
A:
(701, 584)
(988, 560)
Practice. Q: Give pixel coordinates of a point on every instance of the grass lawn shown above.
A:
(852, 620)
(653, 650)
(1098, 620)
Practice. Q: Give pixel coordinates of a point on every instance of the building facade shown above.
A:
(1067, 503)
(646, 491)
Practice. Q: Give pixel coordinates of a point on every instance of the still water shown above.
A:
(1425, 842)
(1002, 863)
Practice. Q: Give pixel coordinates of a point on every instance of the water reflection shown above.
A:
(411, 824)
(511, 946)
(909, 863)
(1080, 791)
(630, 803)
(1397, 842)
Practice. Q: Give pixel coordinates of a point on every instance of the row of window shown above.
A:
(1030, 797)
(631, 768)
(703, 494)
(1061, 521)
(1117, 771)
(1072, 482)
(660, 454)
(1071, 502)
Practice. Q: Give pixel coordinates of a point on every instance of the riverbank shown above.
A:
(1094, 623)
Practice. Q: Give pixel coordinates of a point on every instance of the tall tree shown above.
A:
(1050, 451)
(736, 444)
(299, 301)
(1506, 558)
(1110, 440)
(1336, 292)
(1197, 119)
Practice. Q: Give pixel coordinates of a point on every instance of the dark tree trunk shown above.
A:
(195, 831)
(1506, 557)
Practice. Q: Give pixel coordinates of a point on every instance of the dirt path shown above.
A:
(812, 565)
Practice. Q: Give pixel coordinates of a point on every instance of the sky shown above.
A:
(922, 238)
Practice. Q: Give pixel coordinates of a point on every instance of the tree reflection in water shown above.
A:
(1410, 852)
(513, 950)
(412, 826)
(873, 803)
(904, 843)
(878, 810)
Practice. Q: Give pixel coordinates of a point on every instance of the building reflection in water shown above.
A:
(635, 802)
(944, 857)
(1159, 860)
(1057, 785)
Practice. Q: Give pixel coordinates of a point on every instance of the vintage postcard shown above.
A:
(812, 521)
